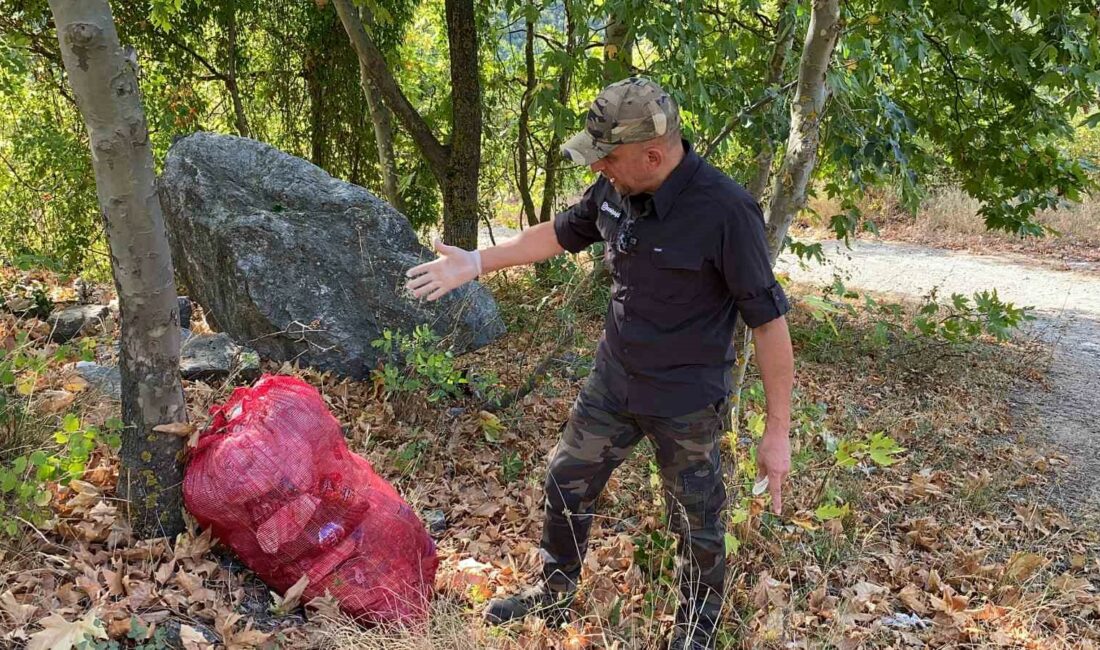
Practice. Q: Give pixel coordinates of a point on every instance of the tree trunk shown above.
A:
(383, 129)
(383, 139)
(565, 83)
(459, 203)
(789, 191)
(523, 162)
(456, 164)
(318, 141)
(784, 39)
(461, 217)
(231, 75)
(106, 89)
(618, 49)
(807, 109)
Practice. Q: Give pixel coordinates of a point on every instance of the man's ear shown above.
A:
(654, 157)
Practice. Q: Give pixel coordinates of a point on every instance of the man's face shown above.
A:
(629, 167)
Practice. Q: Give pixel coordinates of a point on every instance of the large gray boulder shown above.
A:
(298, 265)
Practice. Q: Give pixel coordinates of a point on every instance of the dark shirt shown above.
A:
(695, 256)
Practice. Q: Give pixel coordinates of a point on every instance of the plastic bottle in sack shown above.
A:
(329, 534)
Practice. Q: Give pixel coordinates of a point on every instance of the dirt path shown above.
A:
(1067, 304)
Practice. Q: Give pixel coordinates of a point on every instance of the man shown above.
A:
(686, 250)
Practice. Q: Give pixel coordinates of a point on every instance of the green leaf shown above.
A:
(38, 458)
(8, 481)
(46, 472)
(846, 453)
(756, 423)
(732, 545)
(42, 498)
(70, 423)
(883, 448)
(827, 511)
(19, 465)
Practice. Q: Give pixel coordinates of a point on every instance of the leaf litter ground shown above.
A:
(946, 548)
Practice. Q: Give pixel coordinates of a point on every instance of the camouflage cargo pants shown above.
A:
(595, 441)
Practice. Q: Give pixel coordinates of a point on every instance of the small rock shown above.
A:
(19, 305)
(172, 632)
(905, 621)
(67, 323)
(626, 525)
(215, 356)
(437, 521)
(106, 379)
(185, 311)
(455, 411)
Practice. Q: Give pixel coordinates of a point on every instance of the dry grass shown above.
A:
(449, 629)
(948, 218)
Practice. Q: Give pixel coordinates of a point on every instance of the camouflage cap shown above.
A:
(631, 110)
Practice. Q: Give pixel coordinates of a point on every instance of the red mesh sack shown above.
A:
(273, 478)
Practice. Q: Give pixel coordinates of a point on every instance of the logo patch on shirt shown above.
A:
(610, 210)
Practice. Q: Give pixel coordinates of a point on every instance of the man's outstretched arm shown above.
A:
(455, 266)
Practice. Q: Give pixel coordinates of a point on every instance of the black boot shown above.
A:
(540, 600)
(693, 634)
(684, 641)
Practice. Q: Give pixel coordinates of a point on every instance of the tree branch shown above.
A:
(374, 64)
(214, 72)
(751, 108)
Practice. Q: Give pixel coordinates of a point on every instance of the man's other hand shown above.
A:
(454, 268)
(773, 461)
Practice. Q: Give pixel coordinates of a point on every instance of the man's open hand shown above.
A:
(773, 461)
(454, 268)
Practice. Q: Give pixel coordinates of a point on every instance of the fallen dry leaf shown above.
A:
(288, 601)
(18, 612)
(325, 606)
(192, 639)
(180, 429)
(1023, 565)
(55, 401)
(59, 634)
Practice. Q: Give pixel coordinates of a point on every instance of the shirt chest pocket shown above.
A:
(676, 274)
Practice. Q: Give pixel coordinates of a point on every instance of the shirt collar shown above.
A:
(676, 182)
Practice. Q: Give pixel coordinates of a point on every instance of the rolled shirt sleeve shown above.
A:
(576, 228)
(747, 268)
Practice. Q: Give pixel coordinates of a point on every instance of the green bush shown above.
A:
(418, 362)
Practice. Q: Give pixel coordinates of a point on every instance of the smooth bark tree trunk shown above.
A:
(788, 194)
(106, 90)
(784, 39)
(807, 109)
(383, 129)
